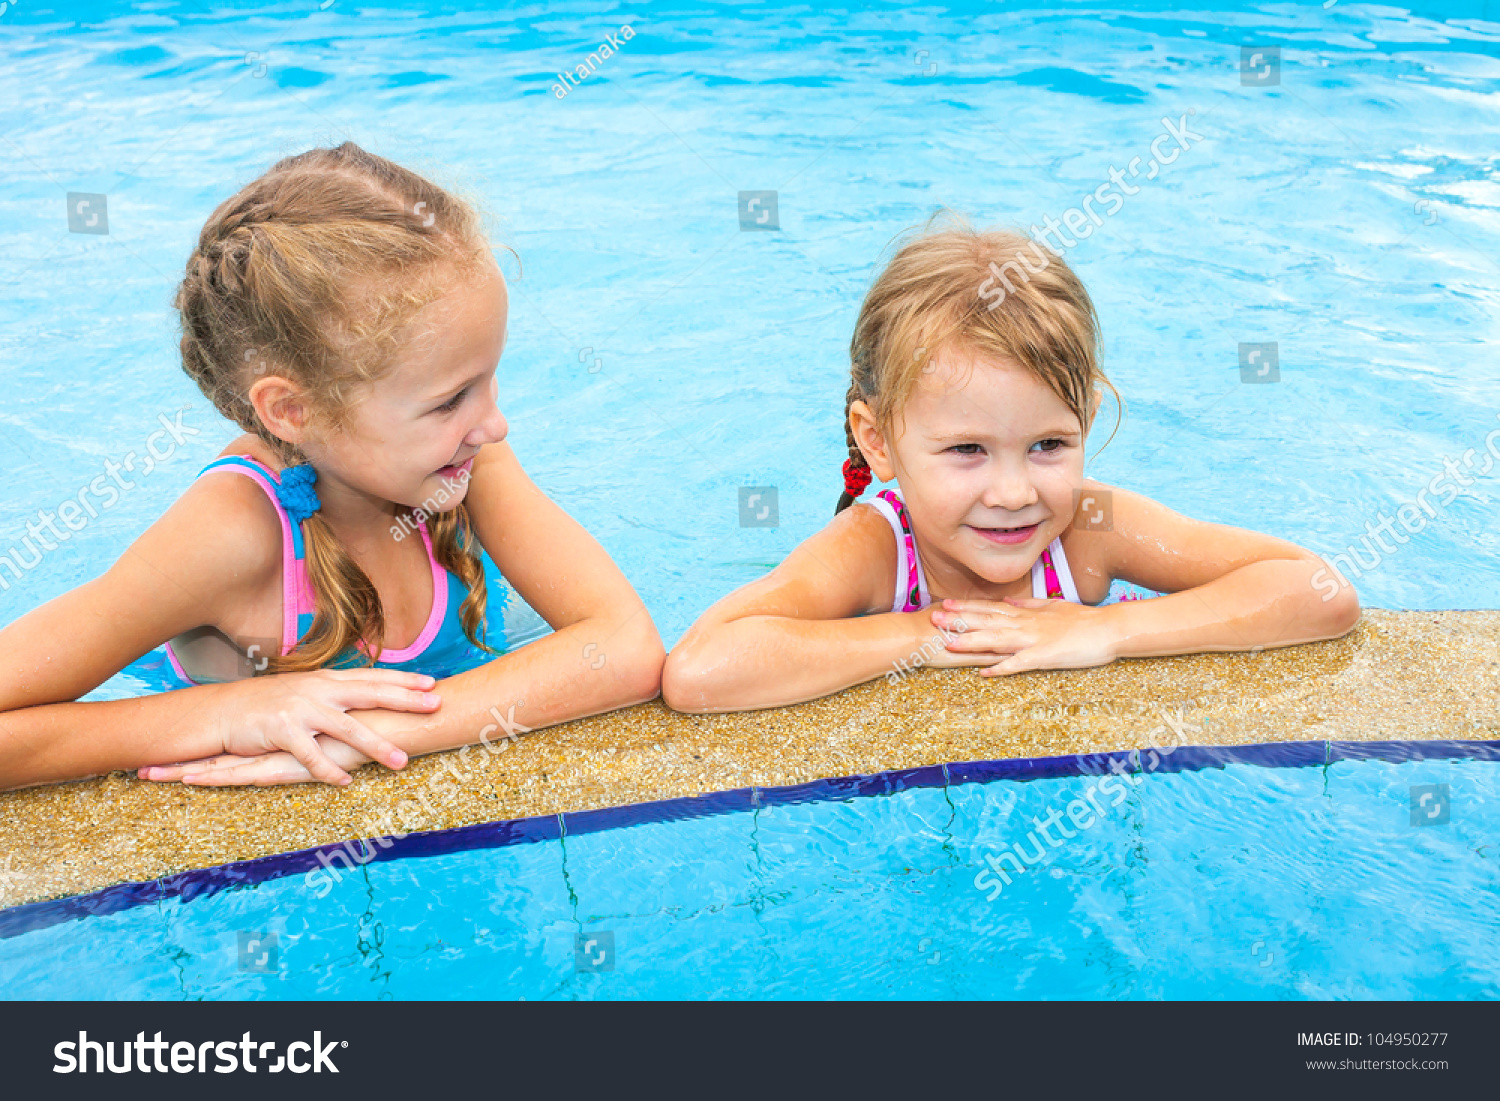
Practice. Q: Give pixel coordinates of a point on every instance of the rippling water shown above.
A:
(660, 357)
(1234, 882)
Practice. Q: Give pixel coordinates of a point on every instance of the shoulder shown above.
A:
(854, 555)
(223, 532)
(1106, 519)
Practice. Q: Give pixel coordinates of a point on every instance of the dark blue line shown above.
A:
(205, 882)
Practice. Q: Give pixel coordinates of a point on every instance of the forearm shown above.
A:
(587, 668)
(770, 661)
(50, 743)
(1264, 604)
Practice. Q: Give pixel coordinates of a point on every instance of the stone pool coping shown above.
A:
(1398, 676)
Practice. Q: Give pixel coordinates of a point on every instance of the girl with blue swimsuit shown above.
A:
(320, 588)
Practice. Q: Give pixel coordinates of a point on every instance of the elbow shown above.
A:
(687, 682)
(643, 674)
(1344, 612)
(1338, 612)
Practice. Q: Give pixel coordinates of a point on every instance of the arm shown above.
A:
(195, 566)
(805, 629)
(604, 653)
(1228, 589)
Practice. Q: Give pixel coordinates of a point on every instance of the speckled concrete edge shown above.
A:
(205, 882)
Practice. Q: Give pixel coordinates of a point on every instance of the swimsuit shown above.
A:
(1050, 577)
(441, 650)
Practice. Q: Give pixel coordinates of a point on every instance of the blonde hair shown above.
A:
(942, 289)
(314, 271)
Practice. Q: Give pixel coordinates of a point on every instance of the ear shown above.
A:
(282, 406)
(871, 441)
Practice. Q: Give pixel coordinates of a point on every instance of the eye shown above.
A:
(960, 448)
(453, 403)
(1048, 446)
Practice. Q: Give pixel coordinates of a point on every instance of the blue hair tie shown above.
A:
(296, 493)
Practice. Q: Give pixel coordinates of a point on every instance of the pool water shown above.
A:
(1236, 881)
(660, 358)
(1340, 224)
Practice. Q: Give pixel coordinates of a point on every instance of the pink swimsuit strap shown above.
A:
(1049, 571)
(916, 594)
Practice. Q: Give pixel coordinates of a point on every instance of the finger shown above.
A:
(1021, 661)
(178, 770)
(1027, 602)
(975, 642)
(980, 660)
(371, 695)
(262, 772)
(349, 730)
(969, 621)
(305, 748)
(398, 678)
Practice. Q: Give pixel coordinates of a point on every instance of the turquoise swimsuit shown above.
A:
(441, 650)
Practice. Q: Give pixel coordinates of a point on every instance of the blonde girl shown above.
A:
(975, 379)
(319, 588)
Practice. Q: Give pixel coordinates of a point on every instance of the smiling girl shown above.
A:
(995, 550)
(349, 316)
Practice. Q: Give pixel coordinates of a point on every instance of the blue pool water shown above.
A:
(660, 358)
(1238, 881)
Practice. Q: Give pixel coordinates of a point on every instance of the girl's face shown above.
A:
(988, 459)
(415, 431)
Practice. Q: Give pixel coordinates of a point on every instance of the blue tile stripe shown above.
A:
(205, 882)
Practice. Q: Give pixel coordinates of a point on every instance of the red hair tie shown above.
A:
(856, 478)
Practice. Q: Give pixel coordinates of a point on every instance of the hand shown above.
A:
(266, 770)
(288, 711)
(1035, 634)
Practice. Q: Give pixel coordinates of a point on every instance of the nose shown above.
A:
(492, 429)
(1009, 488)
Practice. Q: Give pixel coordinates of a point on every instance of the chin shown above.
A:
(434, 495)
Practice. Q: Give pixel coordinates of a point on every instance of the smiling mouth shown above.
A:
(1009, 535)
(455, 469)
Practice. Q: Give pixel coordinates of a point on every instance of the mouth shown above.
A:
(456, 470)
(1008, 537)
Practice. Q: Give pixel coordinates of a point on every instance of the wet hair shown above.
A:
(315, 271)
(993, 293)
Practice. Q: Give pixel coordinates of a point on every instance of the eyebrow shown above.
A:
(1046, 433)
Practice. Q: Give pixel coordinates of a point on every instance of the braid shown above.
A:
(857, 460)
